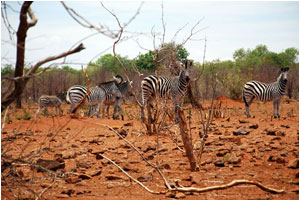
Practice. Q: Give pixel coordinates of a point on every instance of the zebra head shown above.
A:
(118, 79)
(184, 73)
(284, 74)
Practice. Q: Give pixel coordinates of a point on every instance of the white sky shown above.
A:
(228, 26)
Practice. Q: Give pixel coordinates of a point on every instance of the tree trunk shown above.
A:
(187, 141)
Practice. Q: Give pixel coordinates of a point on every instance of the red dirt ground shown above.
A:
(268, 154)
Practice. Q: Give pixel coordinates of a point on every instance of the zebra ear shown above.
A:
(282, 69)
(287, 69)
(186, 64)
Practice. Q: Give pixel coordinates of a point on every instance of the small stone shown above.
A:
(270, 132)
(145, 178)
(170, 194)
(254, 126)
(196, 178)
(219, 163)
(294, 164)
(72, 179)
(241, 131)
(233, 159)
(179, 195)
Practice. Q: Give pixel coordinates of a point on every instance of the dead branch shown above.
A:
(187, 141)
(133, 179)
(87, 92)
(4, 118)
(85, 23)
(129, 143)
(28, 76)
(38, 64)
(231, 184)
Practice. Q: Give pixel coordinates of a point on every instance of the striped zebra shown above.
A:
(94, 100)
(266, 92)
(117, 101)
(46, 101)
(165, 87)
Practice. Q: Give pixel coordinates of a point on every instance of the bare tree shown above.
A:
(20, 80)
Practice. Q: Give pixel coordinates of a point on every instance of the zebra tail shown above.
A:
(68, 97)
(245, 99)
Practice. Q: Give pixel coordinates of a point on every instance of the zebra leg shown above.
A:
(278, 103)
(177, 107)
(274, 108)
(37, 112)
(46, 111)
(107, 110)
(247, 106)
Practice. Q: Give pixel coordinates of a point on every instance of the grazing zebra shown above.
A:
(165, 87)
(110, 99)
(96, 97)
(62, 96)
(266, 92)
(48, 101)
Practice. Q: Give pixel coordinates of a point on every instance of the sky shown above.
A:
(226, 26)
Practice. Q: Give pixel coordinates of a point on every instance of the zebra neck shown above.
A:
(281, 86)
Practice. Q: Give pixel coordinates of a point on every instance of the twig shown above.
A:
(133, 179)
(231, 184)
(45, 189)
(4, 118)
(129, 143)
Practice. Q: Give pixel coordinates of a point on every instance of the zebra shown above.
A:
(266, 92)
(110, 99)
(165, 87)
(96, 97)
(46, 101)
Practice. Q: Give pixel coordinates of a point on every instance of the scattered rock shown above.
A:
(294, 164)
(241, 131)
(50, 164)
(254, 126)
(123, 133)
(243, 121)
(222, 152)
(271, 132)
(73, 179)
(113, 177)
(128, 124)
(170, 194)
(196, 178)
(233, 159)
(285, 126)
(276, 159)
(250, 150)
(68, 192)
(84, 165)
(145, 178)
(84, 176)
(148, 146)
(219, 163)
(179, 195)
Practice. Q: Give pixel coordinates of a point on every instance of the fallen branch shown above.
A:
(4, 118)
(231, 184)
(130, 177)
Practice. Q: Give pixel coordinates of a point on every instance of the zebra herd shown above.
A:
(114, 92)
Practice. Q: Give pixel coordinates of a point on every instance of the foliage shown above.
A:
(7, 71)
(145, 62)
(109, 62)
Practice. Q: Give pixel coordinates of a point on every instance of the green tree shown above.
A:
(145, 62)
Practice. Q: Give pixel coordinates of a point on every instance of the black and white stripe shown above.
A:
(94, 100)
(165, 87)
(117, 101)
(266, 92)
(46, 101)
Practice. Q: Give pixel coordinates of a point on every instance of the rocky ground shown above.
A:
(260, 149)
